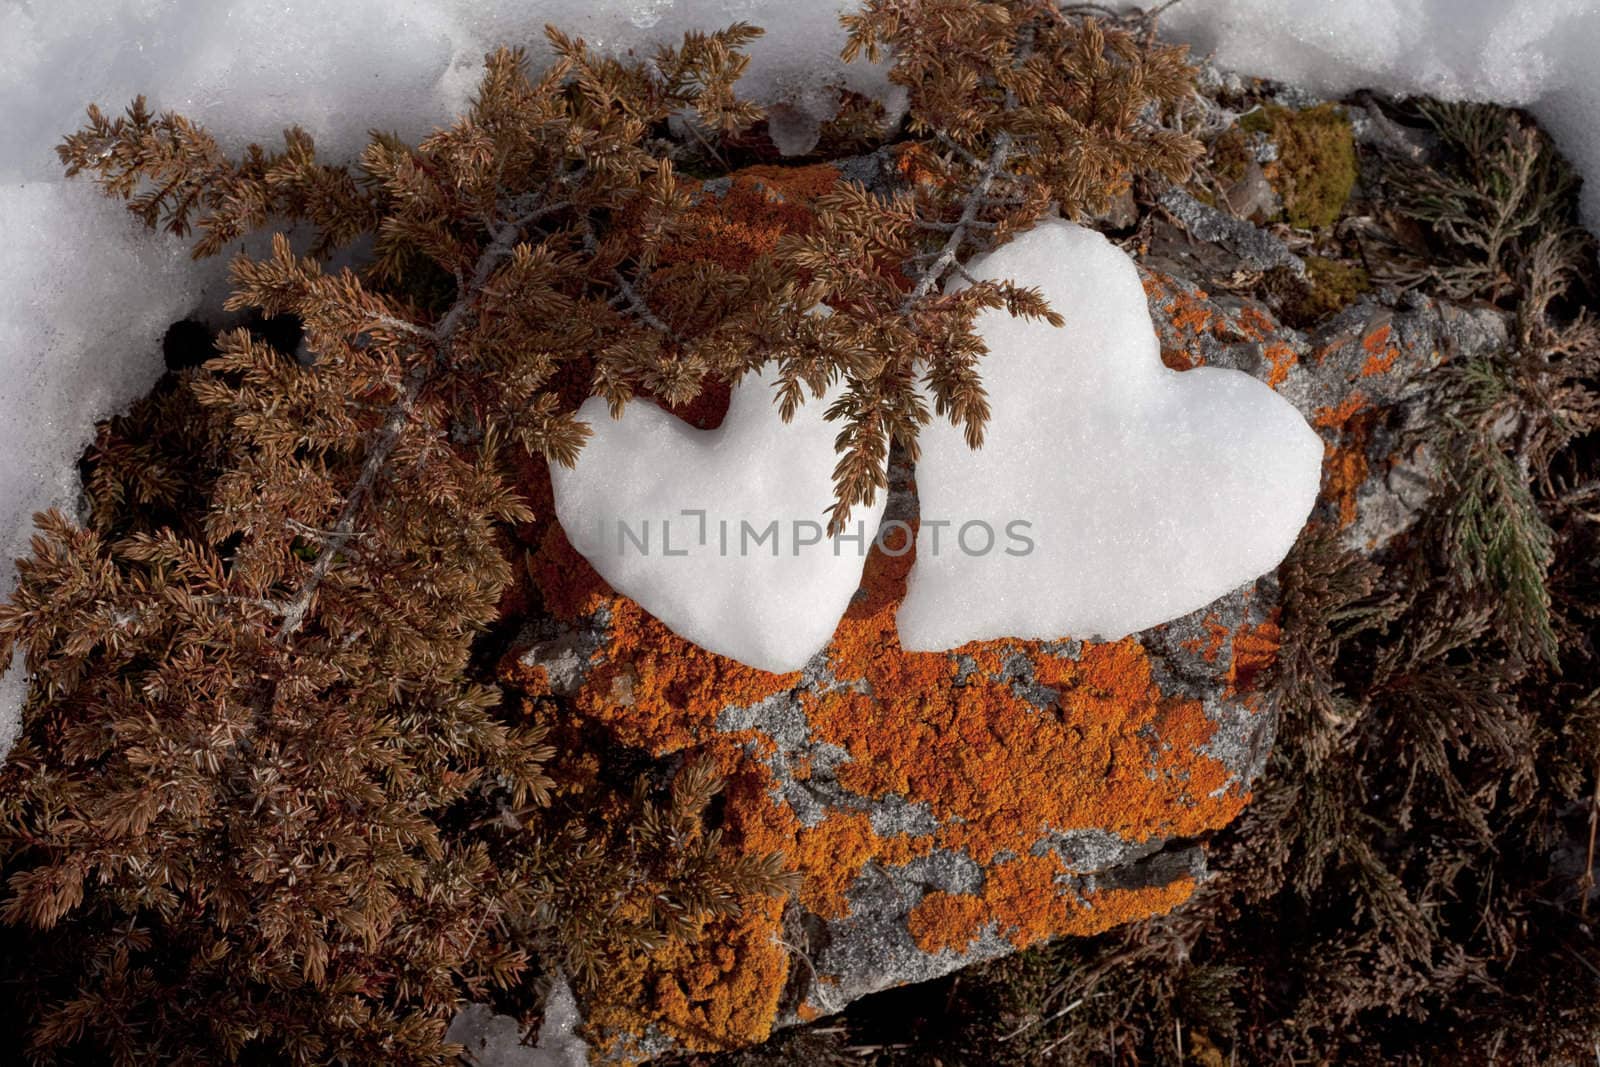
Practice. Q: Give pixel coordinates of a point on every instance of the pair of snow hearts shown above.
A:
(1143, 493)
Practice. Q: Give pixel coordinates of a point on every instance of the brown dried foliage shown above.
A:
(261, 809)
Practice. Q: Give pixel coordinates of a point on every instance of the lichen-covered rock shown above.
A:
(943, 808)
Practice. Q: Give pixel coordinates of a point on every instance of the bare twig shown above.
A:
(933, 273)
(1586, 884)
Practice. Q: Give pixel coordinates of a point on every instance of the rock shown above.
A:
(946, 808)
(1257, 248)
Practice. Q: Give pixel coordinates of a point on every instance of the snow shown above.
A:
(496, 1040)
(85, 299)
(342, 67)
(720, 533)
(1533, 53)
(1148, 493)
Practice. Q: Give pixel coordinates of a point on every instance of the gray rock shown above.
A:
(1257, 248)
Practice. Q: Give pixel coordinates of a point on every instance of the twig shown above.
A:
(1587, 882)
(1031, 1023)
(635, 303)
(932, 273)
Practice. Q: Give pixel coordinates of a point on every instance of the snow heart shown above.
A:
(719, 533)
(1111, 493)
(1149, 493)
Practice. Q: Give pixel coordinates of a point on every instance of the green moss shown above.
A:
(1316, 167)
(1231, 154)
(1329, 285)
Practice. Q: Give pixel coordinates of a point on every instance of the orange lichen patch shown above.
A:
(1381, 355)
(1211, 647)
(903, 848)
(1344, 465)
(832, 855)
(946, 920)
(662, 693)
(1025, 899)
(1335, 418)
(1255, 648)
(1254, 324)
(1280, 357)
(1378, 364)
(997, 770)
(1191, 317)
(719, 991)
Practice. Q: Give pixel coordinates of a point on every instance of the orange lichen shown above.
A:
(1379, 364)
(1110, 751)
(1344, 466)
(1280, 358)
(1381, 355)
(761, 205)
(994, 768)
(1254, 324)
(1255, 648)
(662, 693)
(719, 991)
(1027, 902)
(1189, 317)
(946, 920)
(1211, 647)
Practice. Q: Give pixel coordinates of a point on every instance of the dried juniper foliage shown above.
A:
(262, 808)
(584, 916)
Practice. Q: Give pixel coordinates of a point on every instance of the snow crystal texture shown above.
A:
(1147, 493)
(753, 577)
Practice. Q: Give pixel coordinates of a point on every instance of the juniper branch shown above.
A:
(422, 373)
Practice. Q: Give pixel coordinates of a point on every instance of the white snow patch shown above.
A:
(1150, 493)
(342, 67)
(496, 1040)
(754, 578)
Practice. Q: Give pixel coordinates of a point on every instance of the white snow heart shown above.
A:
(720, 533)
(1145, 493)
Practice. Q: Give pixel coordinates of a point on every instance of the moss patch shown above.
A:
(1330, 285)
(1316, 166)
